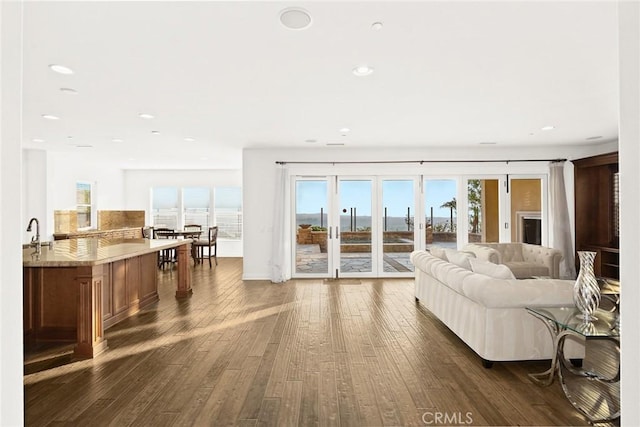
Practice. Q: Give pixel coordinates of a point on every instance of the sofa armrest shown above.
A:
(484, 253)
(548, 257)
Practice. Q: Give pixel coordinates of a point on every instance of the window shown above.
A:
(165, 207)
(441, 214)
(228, 212)
(83, 204)
(196, 206)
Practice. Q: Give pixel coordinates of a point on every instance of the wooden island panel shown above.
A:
(54, 296)
(46, 308)
(133, 286)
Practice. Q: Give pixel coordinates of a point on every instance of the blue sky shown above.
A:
(397, 196)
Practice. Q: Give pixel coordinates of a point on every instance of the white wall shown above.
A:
(629, 45)
(50, 184)
(11, 388)
(34, 192)
(259, 171)
(138, 184)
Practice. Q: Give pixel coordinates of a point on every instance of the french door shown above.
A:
(505, 208)
(367, 226)
(353, 226)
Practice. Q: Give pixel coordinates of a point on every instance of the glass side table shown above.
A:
(593, 388)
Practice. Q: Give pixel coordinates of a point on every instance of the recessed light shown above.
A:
(60, 69)
(146, 116)
(345, 130)
(68, 90)
(295, 18)
(310, 140)
(591, 138)
(116, 140)
(188, 139)
(50, 117)
(362, 70)
(376, 26)
(155, 132)
(548, 128)
(37, 140)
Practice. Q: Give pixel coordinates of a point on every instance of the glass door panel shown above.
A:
(355, 236)
(311, 227)
(441, 213)
(483, 200)
(526, 210)
(398, 218)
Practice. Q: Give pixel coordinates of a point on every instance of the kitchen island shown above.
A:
(75, 289)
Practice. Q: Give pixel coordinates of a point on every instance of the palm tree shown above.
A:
(452, 205)
(475, 201)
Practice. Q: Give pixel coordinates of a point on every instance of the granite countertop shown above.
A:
(93, 251)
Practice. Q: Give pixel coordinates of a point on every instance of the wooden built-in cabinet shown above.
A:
(597, 211)
(58, 300)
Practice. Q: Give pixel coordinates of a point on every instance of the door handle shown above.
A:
(337, 232)
(330, 232)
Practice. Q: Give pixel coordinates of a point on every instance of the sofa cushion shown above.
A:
(461, 259)
(509, 252)
(497, 271)
(495, 293)
(438, 251)
(523, 270)
(484, 253)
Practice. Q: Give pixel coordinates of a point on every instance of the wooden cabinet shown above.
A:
(60, 302)
(597, 211)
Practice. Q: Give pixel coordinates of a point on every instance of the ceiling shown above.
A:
(229, 76)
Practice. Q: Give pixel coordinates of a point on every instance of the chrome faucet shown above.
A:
(35, 240)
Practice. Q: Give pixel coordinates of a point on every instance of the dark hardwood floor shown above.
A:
(306, 352)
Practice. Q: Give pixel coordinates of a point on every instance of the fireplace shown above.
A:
(529, 227)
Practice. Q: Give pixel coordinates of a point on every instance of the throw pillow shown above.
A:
(497, 271)
(437, 251)
(461, 259)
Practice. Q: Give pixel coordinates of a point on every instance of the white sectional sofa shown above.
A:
(488, 313)
(523, 259)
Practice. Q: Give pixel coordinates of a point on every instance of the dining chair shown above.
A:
(147, 232)
(165, 256)
(193, 227)
(210, 244)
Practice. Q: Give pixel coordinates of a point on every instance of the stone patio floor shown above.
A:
(309, 259)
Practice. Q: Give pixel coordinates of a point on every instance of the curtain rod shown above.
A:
(280, 162)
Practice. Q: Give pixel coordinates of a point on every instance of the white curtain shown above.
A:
(278, 239)
(560, 219)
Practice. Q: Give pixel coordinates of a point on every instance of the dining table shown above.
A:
(186, 234)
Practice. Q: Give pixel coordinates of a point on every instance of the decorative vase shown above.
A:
(586, 292)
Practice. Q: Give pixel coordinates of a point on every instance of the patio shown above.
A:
(310, 259)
